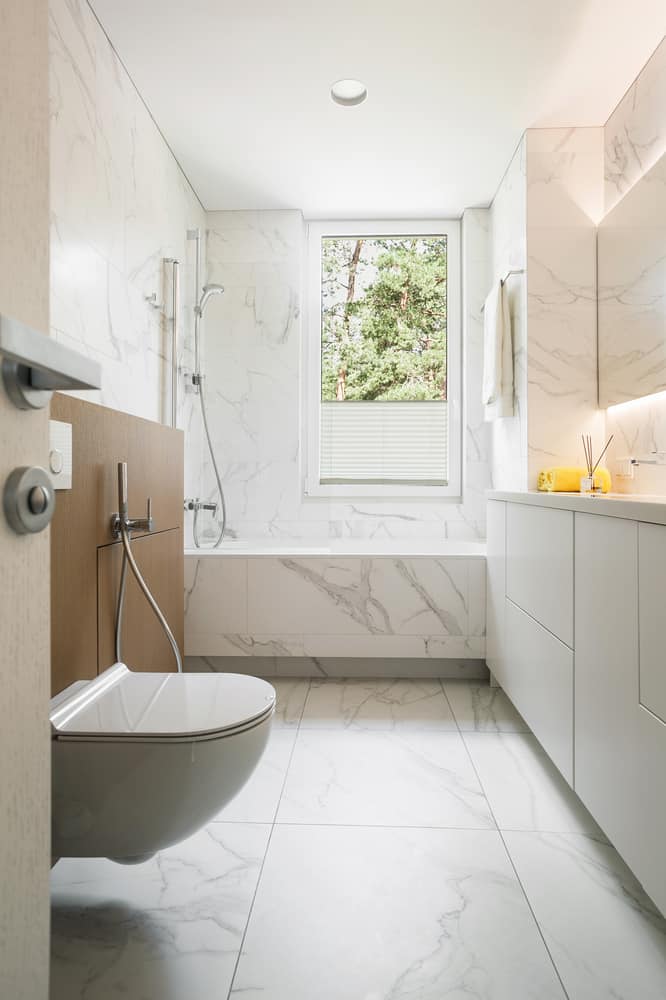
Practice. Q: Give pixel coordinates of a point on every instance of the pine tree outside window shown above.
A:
(383, 411)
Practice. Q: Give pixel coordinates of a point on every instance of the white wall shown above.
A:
(634, 139)
(544, 220)
(25, 751)
(564, 204)
(119, 204)
(508, 227)
(253, 360)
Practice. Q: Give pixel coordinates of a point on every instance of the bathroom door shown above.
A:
(24, 559)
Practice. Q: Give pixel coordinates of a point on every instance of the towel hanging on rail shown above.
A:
(497, 383)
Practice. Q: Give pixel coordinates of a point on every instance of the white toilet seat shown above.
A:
(132, 707)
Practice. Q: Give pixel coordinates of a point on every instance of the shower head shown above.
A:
(208, 291)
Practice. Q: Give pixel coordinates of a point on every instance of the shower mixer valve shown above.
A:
(122, 518)
(195, 504)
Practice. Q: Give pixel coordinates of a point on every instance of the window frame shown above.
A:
(315, 230)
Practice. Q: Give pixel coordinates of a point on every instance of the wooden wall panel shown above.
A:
(144, 644)
(101, 438)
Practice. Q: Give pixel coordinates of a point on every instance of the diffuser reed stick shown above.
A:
(587, 483)
(602, 454)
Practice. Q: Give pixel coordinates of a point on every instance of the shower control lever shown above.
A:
(122, 518)
(195, 504)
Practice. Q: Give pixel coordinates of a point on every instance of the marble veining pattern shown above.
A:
(335, 606)
(119, 205)
(253, 344)
(338, 865)
(634, 140)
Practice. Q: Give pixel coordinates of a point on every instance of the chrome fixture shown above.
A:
(152, 301)
(503, 281)
(197, 383)
(28, 500)
(175, 322)
(34, 366)
(208, 290)
(121, 527)
(195, 504)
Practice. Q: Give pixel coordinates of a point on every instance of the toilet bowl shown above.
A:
(141, 761)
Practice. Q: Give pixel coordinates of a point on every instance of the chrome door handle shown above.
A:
(34, 366)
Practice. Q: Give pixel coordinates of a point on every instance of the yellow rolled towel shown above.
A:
(566, 479)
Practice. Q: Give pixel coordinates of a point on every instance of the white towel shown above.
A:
(497, 384)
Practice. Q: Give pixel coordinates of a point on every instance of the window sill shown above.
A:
(383, 492)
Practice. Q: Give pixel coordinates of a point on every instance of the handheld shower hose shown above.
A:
(122, 526)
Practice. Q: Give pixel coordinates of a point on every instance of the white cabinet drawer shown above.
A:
(538, 677)
(495, 587)
(539, 565)
(651, 614)
(620, 744)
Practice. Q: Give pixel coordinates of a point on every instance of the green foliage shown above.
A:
(384, 318)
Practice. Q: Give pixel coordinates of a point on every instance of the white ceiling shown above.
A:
(241, 92)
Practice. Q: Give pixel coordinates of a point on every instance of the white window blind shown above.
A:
(384, 442)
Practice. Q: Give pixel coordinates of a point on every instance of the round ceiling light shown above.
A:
(348, 93)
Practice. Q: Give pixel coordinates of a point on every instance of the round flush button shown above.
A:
(56, 461)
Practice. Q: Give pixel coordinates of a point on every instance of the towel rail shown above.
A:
(506, 277)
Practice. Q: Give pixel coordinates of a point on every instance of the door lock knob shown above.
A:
(28, 500)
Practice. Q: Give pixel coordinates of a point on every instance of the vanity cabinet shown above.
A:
(539, 566)
(598, 704)
(530, 619)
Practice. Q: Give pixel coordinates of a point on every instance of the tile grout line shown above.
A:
(268, 844)
(504, 844)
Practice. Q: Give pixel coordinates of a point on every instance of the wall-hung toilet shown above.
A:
(141, 760)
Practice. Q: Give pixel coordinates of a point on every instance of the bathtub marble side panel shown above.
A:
(215, 596)
(335, 607)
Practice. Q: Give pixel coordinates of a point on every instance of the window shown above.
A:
(383, 415)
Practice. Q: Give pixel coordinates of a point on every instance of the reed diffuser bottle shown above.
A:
(587, 483)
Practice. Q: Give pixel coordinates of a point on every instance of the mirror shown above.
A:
(631, 245)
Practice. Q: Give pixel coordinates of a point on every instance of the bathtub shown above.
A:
(344, 608)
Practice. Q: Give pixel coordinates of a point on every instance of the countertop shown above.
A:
(634, 507)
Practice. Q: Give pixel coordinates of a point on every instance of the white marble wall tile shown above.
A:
(358, 596)
(73, 53)
(120, 205)
(436, 647)
(272, 667)
(476, 625)
(606, 937)
(635, 133)
(446, 913)
(635, 139)
(215, 596)
(564, 203)
(253, 358)
(169, 928)
(508, 241)
(562, 348)
(632, 292)
(232, 644)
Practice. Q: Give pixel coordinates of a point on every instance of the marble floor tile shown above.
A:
(375, 779)
(258, 800)
(478, 707)
(377, 705)
(606, 937)
(391, 914)
(166, 930)
(523, 786)
(291, 695)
